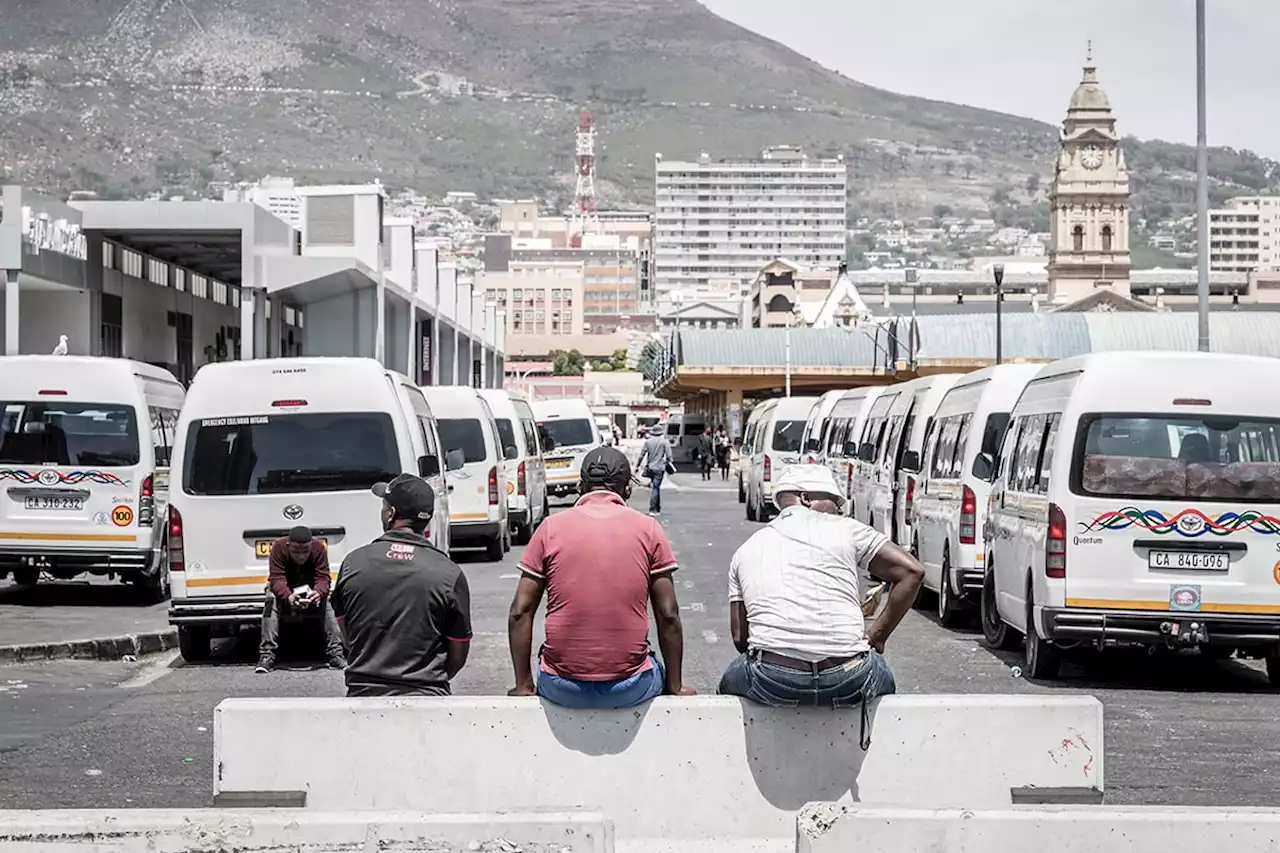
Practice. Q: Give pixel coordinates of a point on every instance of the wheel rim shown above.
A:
(944, 591)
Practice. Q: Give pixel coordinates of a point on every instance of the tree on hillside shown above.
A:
(1033, 183)
(569, 363)
(941, 211)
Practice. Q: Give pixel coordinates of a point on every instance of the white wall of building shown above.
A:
(46, 314)
(343, 325)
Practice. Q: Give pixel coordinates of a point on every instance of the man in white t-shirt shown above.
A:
(796, 604)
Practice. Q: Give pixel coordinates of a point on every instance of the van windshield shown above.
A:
(507, 435)
(278, 454)
(104, 435)
(463, 434)
(567, 433)
(787, 435)
(1207, 458)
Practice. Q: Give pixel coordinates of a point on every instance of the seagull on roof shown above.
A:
(61, 348)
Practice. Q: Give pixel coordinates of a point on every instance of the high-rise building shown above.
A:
(725, 220)
(1245, 235)
(278, 195)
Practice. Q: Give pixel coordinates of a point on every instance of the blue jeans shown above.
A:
(845, 686)
(627, 693)
(655, 490)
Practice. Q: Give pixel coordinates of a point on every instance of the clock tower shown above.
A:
(1089, 200)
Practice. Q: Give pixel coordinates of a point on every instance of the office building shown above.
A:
(727, 219)
(541, 298)
(1244, 236)
(278, 195)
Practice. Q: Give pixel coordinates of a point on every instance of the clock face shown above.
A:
(1091, 157)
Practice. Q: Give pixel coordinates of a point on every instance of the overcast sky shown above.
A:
(1024, 56)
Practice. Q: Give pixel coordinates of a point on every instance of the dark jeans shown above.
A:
(275, 607)
(655, 490)
(845, 686)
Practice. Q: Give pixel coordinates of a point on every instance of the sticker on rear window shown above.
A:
(217, 422)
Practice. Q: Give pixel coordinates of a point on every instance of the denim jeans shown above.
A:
(655, 490)
(843, 686)
(271, 613)
(627, 693)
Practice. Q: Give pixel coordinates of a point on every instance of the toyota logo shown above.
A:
(293, 512)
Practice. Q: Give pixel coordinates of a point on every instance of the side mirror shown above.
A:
(984, 467)
(867, 452)
(511, 451)
(428, 466)
(911, 461)
(454, 459)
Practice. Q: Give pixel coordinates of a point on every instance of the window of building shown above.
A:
(112, 328)
(1106, 238)
(1077, 238)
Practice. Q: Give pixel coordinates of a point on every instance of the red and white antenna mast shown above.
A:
(585, 220)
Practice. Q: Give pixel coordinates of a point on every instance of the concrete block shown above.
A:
(703, 769)
(275, 830)
(830, 828)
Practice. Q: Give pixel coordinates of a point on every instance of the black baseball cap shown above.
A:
(605, 466)
(409, 496)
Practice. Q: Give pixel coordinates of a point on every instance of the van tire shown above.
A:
(155, 587)
(26, 576)
(951, 613)
(742, 492)
(1273, 669)
(522, 534)
(193, 643)
(493, 549)
(995, 632)
(1043, 660)
(751, 509)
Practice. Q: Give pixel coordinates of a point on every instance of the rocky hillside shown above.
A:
(131, 96)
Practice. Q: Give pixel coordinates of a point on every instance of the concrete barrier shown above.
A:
(705, 770)
(275, 830)
(829, 828)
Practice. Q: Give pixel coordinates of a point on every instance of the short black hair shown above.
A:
(300, 535)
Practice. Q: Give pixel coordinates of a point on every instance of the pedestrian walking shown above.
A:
(724, 447)
(601, 565)
(298, 583)
(706, 455)
(655, 461)
(797, 605)
(405, 606)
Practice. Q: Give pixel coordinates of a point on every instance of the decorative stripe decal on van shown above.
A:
(198, 582)
(71, 537)
(50, 477)
(1163, 606)
(468, 516)
(1189, 524)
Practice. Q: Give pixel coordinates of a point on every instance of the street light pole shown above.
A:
(1202, 180)
(998, 272)
(912, 277)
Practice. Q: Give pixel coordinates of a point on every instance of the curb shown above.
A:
(106, 648)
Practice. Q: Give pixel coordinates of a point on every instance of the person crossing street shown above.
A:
(655, 461)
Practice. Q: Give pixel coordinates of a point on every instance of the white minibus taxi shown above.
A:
(813, 443)
(84, 467)
(474, 461)
(567, 431)
(744, 453)
(776, 444)
(896, 462)
(848, 419)
(268, 444)
(955, 482)
(683, 432)
(522, 465)
(1137, 501)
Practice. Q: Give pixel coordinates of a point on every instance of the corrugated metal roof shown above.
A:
(1240, 332)
(1025, 335)
(767, 348)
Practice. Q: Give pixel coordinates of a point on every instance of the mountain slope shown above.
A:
(129, 96)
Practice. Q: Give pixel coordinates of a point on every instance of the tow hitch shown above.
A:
(1178, 635)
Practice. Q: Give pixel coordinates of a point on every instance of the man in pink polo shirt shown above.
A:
(600, 563)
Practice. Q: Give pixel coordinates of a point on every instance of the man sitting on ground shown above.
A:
(796, 609)
(404, 605)
(298, 583)
(601, 564)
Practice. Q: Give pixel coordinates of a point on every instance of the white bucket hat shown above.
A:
(809, 479)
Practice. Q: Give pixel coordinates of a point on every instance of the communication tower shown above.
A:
(585, 220)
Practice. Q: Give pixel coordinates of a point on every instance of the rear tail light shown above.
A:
(177, 559)
(1055, 546)
(522, 484)
(911, 496)
(968, 516)
(768, 469)
(493, 487)
(147, 502)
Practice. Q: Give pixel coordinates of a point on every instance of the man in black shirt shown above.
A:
(405, 606)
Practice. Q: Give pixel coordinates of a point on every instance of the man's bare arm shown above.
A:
(899, 568)
(520, 632)
(738, 628)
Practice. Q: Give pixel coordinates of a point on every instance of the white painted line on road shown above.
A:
(508, 576)
(711, 636)
(696, 607)
(688, 584)
(153, 671)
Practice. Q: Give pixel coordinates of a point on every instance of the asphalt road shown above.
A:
(1182, 731)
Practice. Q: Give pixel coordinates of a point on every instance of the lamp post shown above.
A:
(912, 278)
(796, 317)
(998, 272)
(1202, 182)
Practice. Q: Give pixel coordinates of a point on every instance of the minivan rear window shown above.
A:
(787, 435)
(274, 454)
(1208, 458)
(465, 434)
(507, 435)
(567, 433)
(104, 435)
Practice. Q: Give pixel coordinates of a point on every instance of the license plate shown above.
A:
(559, 463)
(1201, 561)
(262, 547)
(52, 502)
